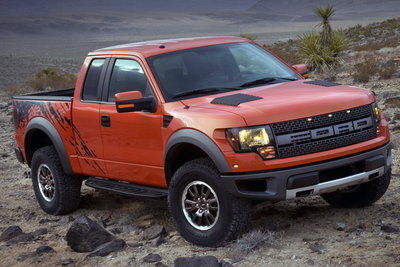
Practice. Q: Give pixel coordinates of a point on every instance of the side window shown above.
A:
(128, 75)
(92, 80)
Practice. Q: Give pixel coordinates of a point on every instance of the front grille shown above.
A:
(321, 120)
(311, 143)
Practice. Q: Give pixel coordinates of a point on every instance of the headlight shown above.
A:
(253, 139)
(377, 113)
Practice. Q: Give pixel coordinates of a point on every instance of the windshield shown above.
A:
(218, 67)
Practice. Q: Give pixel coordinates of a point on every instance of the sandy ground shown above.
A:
(307, 228)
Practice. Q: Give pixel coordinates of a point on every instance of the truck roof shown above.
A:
(151, 48)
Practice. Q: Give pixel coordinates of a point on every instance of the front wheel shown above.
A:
(203, 211)
(56, 192)
(359, 195)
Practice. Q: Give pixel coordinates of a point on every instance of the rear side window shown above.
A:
(92, 80)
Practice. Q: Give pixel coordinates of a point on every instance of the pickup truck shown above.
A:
(210, 124)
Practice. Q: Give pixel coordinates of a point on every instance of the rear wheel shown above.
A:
(56, 192)
(359, 195)
(204, 212)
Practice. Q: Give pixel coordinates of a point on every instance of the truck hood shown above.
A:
(288, 101)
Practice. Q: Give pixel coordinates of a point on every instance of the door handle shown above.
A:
(105, 120)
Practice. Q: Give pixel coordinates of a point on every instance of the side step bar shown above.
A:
(125, 188)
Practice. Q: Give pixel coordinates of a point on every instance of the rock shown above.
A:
(198, 261)
(340, 226)
(388, 228)
(45, 220)
(85, 235)
(381, 245)
(135, 244)
(310, 262)
(316, 247)
(39, 232)
(160, 264)
(157, 241)
(153, 232)
(43, 250)
(107, 248)
(67, 262)
(66, 219)
(223, 263)
(152, 257)
(10, 233)
(21, 238)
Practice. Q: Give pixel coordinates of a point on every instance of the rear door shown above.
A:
(86, 119)
(132, 141)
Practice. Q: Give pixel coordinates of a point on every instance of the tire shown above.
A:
(360, 195)
(56, 192)
(230, 213)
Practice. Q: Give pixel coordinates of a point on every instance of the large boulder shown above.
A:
(85, 235)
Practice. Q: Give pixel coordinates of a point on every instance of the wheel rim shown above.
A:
(200, 205)
(46, 182)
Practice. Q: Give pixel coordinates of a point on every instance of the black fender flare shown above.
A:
(40, 123)
(203, 142)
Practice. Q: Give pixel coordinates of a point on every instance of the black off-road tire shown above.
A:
(363, 195)
(233, 212)
(67, 188)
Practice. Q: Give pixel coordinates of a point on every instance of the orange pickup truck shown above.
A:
(208, 123)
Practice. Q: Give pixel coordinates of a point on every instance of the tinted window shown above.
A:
(92, 80)
(215, 67)
(127, 75)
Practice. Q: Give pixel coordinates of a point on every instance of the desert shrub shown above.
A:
(52, 78)
(364, 70)
(14, 90)
(321, 58)
(248, 36)
(289, 56)
(387, 70)
(251, 241)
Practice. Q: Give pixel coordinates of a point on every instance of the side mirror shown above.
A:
(301, 69)
(134, 101)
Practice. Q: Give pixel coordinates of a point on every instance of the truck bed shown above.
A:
(58, 95)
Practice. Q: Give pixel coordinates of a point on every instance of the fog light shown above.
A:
(267, 152)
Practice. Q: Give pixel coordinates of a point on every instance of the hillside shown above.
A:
(301, 232)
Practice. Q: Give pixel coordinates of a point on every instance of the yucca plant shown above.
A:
(319, 57)
(325, 13)
(321, 51)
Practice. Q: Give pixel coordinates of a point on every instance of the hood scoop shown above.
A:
(235, 100)
(322, 83)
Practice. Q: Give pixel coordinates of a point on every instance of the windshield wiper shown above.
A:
(266, 80)
(204, 90)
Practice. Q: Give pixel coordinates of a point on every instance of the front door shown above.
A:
(132, 141)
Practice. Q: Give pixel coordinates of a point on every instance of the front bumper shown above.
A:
(311, 179)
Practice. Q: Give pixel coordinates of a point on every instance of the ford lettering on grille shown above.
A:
(324, 132)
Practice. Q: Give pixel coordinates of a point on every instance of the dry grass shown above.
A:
(387, 69)
(363, 71)
(52, 78)
(252, 241)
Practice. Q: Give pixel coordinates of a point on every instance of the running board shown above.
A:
(125, 188)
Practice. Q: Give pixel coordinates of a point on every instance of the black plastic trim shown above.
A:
(126, 188)
(203, 142)
(44, 125)
(18, 154)
(277, 180)
(64, 95)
